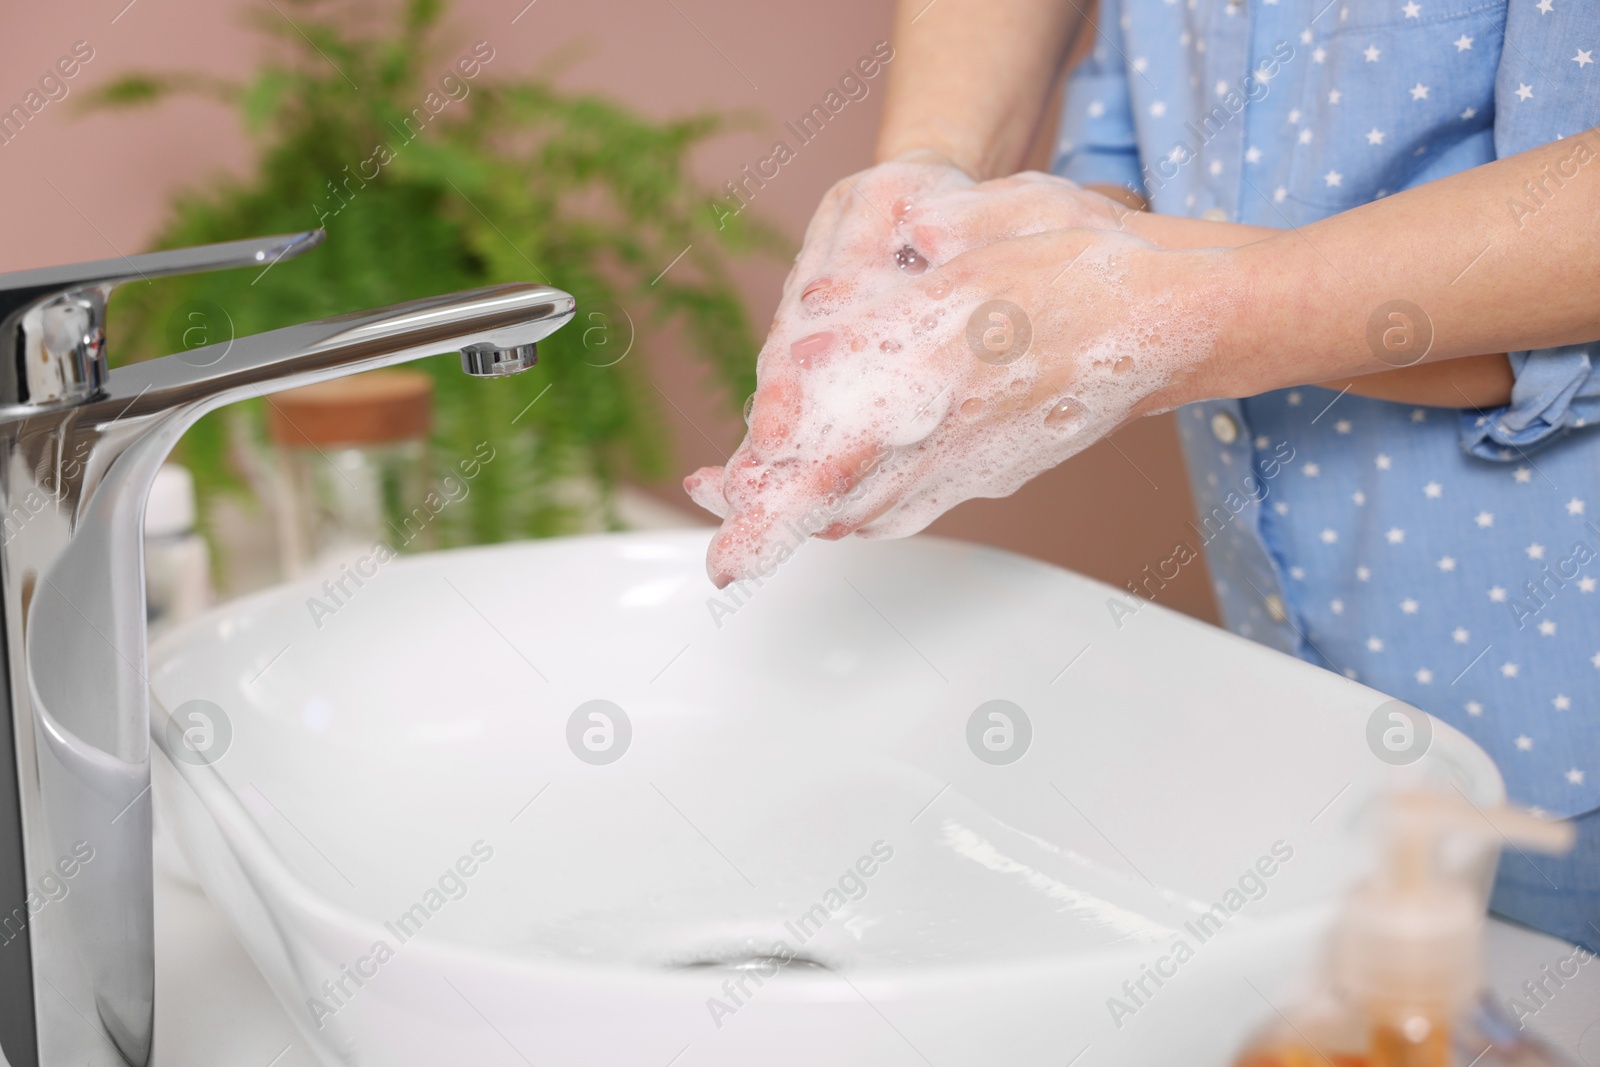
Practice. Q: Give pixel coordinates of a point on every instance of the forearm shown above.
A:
(1478, 276)
(971, 78)
(1482, 381)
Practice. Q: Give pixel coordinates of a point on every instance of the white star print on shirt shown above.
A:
(1484, 518)
(1395, 535)
(1433, 490)
(1409, 606)
(1510, 670)
(1382, 461)
(1425, 676)
(1562, 702)
(1333, 177)
(1474, 708)
(1463, 43)
(1547, 628)
(1524, 742)
(1375, 136)
(1447, 563)
(1419, 91)
(1574, 506)
(1523, 475)
(1575, 776)
(1535, 551)
(1583, 59)
(1585, 585)
(1545, 7)
(1497, 594)
(1461, 636)
(1413, 10)
(1372, 52)
(1252, 155)
(1524, 92)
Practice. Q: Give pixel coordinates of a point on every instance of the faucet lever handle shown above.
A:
(52, 320)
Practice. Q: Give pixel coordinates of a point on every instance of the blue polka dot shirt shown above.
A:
(1448, 558)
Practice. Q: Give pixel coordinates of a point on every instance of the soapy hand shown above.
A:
(942, 341)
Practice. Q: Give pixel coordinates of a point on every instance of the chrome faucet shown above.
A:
(79, 447)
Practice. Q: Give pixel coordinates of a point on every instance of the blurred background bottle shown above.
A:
(177, 561)
(351, 463)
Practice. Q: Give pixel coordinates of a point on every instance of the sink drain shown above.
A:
(764, 964)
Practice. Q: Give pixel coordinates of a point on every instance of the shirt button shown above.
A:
(1275, 608)
(1216, 214)
(1224, 428)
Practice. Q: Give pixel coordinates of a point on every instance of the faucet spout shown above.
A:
(500, 319)
(79, 449)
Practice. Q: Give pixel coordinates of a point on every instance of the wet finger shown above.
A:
(704, 487)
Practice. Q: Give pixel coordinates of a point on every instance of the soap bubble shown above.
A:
(1067, 416)
(806, 350)
(910, 260)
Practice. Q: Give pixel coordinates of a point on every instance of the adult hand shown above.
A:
(953, 344)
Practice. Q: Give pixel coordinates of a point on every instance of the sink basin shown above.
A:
(913, 802)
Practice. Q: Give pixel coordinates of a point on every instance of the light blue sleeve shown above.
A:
(1097, 145)
(1548, 87)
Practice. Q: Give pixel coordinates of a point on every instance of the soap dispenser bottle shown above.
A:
(1404, 981)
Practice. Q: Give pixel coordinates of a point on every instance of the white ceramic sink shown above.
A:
(806, 754)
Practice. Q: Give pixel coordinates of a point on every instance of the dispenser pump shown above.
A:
(1411, 937)
(1405, 971)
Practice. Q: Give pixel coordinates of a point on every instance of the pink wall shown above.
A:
(90, 187)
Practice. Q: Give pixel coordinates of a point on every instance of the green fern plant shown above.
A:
(435, 175)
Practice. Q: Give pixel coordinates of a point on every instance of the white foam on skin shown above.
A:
(870, 380)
